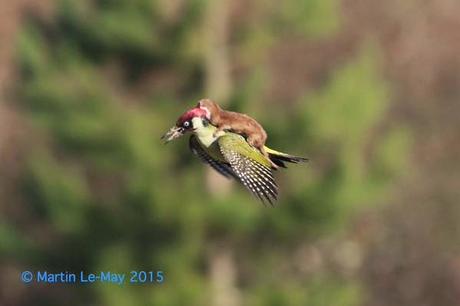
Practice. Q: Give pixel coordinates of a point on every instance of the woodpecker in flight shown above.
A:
(231, 155)
(236, 122)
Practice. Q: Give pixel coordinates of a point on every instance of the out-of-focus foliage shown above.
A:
(114, 198)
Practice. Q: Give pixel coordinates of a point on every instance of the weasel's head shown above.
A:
(210, 107)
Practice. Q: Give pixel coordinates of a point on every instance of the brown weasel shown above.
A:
(239, 123)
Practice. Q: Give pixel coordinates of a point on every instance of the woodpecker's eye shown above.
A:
(186, 124)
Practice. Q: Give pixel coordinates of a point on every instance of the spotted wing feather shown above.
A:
(256, 177)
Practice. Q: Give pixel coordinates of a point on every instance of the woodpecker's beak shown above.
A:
(173, 133)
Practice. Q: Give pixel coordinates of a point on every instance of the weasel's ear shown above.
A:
(208, 113)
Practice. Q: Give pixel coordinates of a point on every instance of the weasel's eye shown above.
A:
(186, 124)
(205, 122)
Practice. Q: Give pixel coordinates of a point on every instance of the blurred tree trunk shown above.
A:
(11, 13)
(223, 277)
(10, 16)
(218, 79)
(218, 87)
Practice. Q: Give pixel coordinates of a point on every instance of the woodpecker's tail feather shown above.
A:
(279, 158)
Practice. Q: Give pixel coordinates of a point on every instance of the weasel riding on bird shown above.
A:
(230, 154)
(236, 122)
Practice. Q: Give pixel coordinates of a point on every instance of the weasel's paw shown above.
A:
(218, 133)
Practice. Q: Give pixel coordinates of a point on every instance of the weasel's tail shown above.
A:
(279, 158)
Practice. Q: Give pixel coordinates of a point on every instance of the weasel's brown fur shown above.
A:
(239, 123)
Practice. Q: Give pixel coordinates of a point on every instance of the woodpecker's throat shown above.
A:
(205, 133)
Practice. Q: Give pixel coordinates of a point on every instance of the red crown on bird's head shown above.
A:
(190, 114)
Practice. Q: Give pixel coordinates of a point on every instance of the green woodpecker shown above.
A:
(230, 154)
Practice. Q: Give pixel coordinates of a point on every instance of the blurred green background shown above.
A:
(368, 90)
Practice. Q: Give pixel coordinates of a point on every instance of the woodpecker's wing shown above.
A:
(222, 168)
(251, 167)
